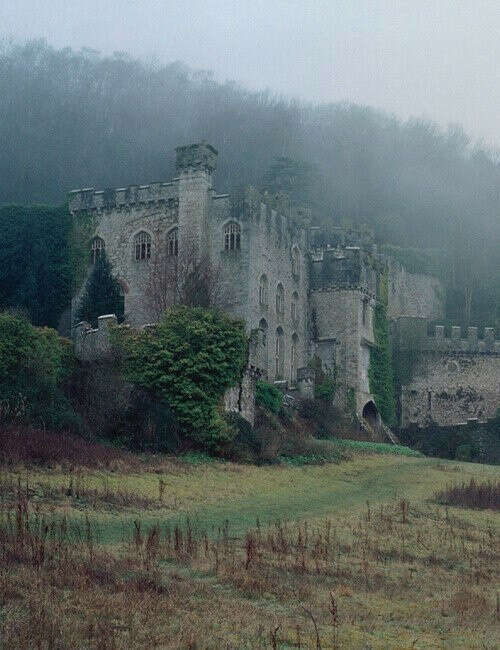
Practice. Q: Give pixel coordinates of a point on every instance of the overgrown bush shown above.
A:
(471, 495)
(325, 383)
(268, 397)
(380, 371)
(34, 364)
(102, 293)
(245, 445)
(187, 361)
(327, 421)
(478, 443)
(150, 425)
(24, 445)
(325, 390)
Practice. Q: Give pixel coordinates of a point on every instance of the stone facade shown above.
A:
(302, 292)
(452, 379)
(253, 242)
(413, 294)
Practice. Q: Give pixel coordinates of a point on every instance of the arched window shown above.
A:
(173, 243)
(263, 329)
(263, 291)
(293, 358)
(142, 246)
(280, 353)
(97, 249)
(280, 299)
(295, 262)
(294, 307)
(232, 237)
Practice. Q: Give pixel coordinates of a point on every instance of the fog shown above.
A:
(74, 113)
(432, 58)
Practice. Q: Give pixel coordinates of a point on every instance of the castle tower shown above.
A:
(195, 168)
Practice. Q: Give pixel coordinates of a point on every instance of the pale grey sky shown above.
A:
(432, 58)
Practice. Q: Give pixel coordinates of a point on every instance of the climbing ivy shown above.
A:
(83, 228)
(187, 361)
(380, 373)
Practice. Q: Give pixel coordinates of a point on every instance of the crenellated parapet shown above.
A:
(412, 334)
(153, 194)
(343, 268)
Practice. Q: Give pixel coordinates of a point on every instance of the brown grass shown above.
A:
(420, 574)
(22, 445)
(484, 495)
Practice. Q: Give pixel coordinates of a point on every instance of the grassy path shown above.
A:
(213, 493)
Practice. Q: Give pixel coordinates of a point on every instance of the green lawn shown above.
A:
(213, 493)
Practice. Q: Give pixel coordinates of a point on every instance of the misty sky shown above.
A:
(432, 58)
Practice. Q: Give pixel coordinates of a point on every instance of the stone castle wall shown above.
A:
(413, 295)
(269, 237)
(452, 378)
(93, 345)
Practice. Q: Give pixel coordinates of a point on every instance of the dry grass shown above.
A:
(26, 445)
(471, 495)
(397, 572)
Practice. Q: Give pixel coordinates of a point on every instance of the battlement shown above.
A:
(411, 334)
(159, 194)
(344, 268)
(455, 343)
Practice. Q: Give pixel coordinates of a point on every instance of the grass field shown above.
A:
(195, 554)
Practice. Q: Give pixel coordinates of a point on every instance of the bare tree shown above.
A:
(185, 279)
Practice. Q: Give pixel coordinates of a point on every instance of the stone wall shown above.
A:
(241, 399)
(93, 345)
(343, 340)
(413, 294)
(270, 236)
(452, 378)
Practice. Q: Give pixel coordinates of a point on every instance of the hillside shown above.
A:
(112, 121)
(197, 554)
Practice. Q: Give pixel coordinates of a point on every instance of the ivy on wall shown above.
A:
(380, 372)
(187, 361)
(83, 228)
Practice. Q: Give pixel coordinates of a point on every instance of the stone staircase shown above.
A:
(380, 429)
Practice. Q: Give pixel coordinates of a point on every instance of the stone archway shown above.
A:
(370, 413)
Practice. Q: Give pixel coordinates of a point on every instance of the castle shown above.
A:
(301, 296)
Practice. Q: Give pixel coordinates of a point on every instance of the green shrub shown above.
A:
(325, 391)
(34, 363)
(311, 451)
(102, 294)
(245, 445)
(465, 453)
(268, 397)
(188, 361)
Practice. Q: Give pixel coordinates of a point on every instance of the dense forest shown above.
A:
(74, 119)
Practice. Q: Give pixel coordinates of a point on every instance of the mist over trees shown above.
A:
(77, 119)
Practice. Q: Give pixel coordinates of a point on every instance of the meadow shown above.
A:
(160, 552)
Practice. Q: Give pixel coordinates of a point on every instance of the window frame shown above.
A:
(232, 237)
(96, 250)
(173, 242)
(142, 246)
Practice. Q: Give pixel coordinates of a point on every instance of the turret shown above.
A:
(201, 157)
(195, 166)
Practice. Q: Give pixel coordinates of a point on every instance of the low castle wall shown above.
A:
(452, 378)
(93, 345)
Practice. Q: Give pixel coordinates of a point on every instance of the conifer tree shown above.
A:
(102, 293)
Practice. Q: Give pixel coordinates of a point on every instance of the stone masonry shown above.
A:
(302, 293)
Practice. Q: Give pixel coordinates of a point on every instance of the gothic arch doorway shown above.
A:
(370, 413)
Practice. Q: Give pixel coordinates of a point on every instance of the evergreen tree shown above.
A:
(102, 294)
